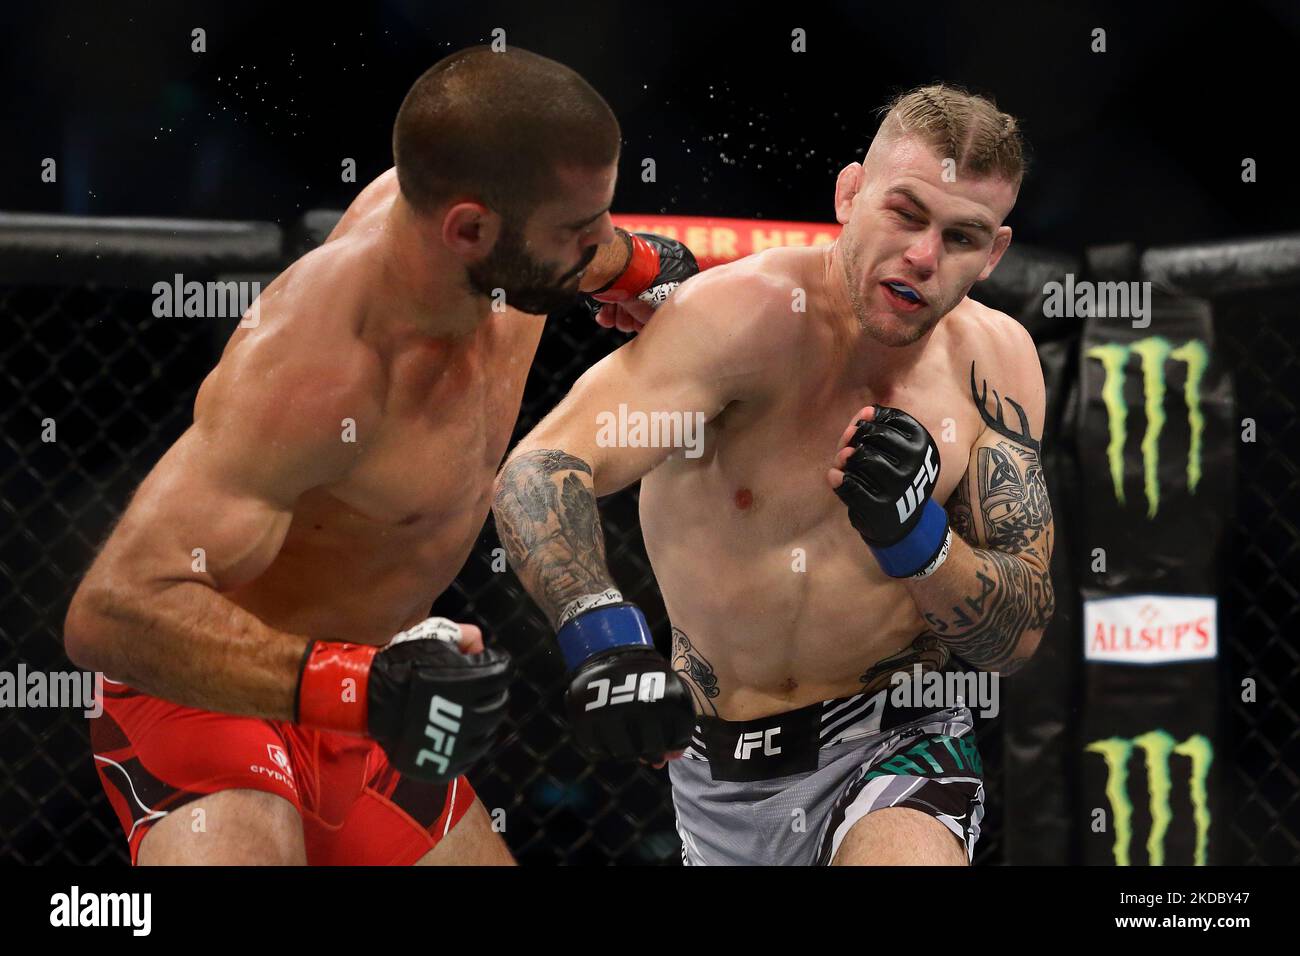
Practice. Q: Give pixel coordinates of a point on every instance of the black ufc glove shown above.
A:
(432, 708)
(625, 701)
(888, 481)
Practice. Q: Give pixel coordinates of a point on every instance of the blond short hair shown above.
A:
(962, 126)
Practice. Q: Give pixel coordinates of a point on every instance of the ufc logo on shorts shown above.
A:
(444, 725)
(650, 688)
(749, 742)
(925, 475)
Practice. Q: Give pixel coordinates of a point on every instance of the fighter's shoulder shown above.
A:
(301, 373)
(996, 360)
(756, 298)
(374, 200)
(994, 341)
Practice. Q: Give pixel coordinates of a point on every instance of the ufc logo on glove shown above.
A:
(650, 689)
(925, 475)
(444, 725)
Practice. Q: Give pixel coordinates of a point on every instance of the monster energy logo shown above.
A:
(1157, 745)
(1152, 352)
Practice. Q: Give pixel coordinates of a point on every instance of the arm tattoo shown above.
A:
(697, 672)
(985, 627)
(1014, 507)
(545, 507)
(925, 649)
(996, 421)
(960, 516)
(1010, 530)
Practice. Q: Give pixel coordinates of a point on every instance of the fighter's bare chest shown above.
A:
(445, 429)
(778, 462)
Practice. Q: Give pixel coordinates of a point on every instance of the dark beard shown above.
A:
(529, 285)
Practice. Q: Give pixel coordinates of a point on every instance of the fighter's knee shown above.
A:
(900, 836)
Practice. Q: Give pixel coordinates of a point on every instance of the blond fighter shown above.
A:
(791, 614)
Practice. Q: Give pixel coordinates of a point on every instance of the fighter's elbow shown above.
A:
(86, 636)
(1029, 645)
(542, 455)
(1024, 652)
(1046, 607)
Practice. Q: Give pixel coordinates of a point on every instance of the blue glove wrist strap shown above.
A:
(914, 552)
(614, 625)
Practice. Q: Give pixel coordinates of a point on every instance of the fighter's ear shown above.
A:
(1001, 239)
(847, 185)
(470, 229)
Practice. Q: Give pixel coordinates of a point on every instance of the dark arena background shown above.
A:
(1162, 152)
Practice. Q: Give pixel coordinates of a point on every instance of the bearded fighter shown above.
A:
(278, 694)
(868, 499)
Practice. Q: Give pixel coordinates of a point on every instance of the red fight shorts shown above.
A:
(154, 757)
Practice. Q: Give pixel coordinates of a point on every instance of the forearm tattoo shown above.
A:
(1010, 530)
(697, 672)
(545, 507)
(1010, 597)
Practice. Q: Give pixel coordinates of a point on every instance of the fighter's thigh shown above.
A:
(227, 828)
(899, 836)
(471, 842)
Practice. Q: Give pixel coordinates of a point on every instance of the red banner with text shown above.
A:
(714, 241)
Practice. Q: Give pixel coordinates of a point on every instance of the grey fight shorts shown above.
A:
(786, 789)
